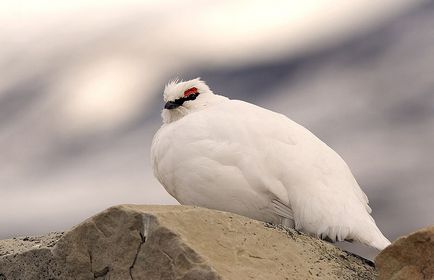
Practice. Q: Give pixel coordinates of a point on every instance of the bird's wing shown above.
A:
(282, 209)
(289, 161)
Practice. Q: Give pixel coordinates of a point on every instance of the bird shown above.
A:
(234, 156)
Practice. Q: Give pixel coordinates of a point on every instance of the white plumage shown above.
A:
(234, 156)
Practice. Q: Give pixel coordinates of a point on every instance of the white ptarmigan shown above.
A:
(233, 156)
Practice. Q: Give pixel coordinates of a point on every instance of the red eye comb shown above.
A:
(190, 91)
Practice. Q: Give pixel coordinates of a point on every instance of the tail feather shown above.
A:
(380, 242)
(373, 237)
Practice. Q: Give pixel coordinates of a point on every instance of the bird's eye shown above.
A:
(190, 91)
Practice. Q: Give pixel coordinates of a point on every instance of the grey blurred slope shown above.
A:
(180, 242)
(370, 98)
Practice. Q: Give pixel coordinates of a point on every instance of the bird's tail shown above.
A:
(380, 242)
(372, 236)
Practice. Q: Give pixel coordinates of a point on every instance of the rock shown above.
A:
(409, 257)
(28, 257)
(177, 242)
(22, 244)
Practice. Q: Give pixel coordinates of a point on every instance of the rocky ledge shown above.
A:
(409, 257)
(176, 242)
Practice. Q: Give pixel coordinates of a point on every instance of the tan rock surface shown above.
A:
(21, 244)
(180, 242)
(409, 257)
(29, 258)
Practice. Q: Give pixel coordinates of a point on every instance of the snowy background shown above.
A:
(81, 85)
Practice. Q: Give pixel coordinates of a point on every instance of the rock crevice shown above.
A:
(143, 240)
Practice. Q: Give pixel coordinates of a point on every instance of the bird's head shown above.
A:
(183, 97)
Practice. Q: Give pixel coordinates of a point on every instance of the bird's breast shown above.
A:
(209, 174)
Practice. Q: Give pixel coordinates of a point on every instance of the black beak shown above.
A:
(171, 105)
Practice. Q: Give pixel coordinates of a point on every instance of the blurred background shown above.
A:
(81, 93)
